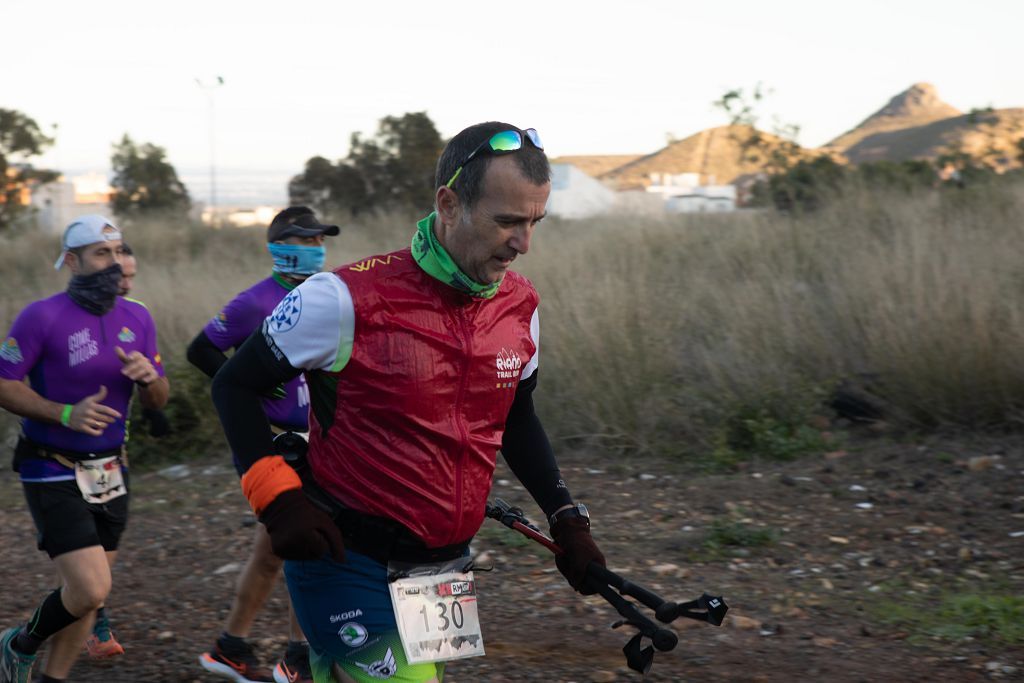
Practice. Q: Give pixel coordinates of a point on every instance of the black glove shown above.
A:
(572, 534)
(158, 423)
(299, 530)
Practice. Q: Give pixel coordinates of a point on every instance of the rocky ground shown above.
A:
(882, 561)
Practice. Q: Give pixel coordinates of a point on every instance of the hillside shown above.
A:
(991, 137)
(716, 154)
(916, 106)
(917, 124)
(596, 165)
(914, 124)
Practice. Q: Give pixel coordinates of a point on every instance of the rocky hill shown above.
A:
(991, 137)
(717, 154)
(917, 124)
(916, 106)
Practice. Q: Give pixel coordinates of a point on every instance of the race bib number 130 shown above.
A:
(437, 614)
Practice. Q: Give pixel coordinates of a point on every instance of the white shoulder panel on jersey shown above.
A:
(314, 323)
(531, 367)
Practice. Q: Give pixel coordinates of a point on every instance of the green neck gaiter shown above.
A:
(436, 262)
(279, 279)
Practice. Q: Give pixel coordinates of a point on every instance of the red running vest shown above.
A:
(422, 402)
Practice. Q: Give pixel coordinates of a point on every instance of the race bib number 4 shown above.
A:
(100, 480)
(437, 614)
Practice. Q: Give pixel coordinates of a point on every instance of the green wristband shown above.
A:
(65, 416)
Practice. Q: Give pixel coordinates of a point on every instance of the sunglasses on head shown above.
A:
(500, 143)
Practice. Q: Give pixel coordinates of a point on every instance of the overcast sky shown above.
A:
(592, 77)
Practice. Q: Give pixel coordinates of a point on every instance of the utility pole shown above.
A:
(210, 89)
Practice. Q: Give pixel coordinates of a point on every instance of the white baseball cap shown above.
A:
(86, 230)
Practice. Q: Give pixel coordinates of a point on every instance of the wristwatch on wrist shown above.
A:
(577, 510)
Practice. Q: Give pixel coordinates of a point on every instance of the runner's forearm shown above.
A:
(528, 453)
(205, 355)
(237, 391)
(155, 394)
(20, 399)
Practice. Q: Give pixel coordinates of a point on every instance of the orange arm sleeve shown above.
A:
(268, 477)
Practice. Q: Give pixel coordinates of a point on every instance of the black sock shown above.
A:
(101, 613)
(43, 678)
(232, 644)
(297, 649)
(50, 617)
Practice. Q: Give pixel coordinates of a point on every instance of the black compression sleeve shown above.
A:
(256, 368)
(528, 452)
(205, 355)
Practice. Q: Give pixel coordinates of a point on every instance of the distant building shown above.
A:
(574, 194)
(683, 193)
(57, 203)
(224, 216)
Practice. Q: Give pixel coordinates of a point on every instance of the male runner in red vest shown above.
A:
(421, 365)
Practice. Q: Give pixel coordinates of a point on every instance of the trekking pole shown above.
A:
(707, 608)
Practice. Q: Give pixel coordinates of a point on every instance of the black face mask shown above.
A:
(97, 291)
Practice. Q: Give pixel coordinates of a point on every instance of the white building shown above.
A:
(683, 193)
(57, 203)
(574, 194)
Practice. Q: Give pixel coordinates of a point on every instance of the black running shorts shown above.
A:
(65, 522)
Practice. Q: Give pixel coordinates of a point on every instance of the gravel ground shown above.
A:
(820, 561)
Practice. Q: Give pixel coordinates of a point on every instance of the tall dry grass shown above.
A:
(655, 334)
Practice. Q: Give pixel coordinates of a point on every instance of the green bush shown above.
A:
(774, 430)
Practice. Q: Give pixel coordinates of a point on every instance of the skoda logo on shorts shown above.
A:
(353, 634)
(286, 315)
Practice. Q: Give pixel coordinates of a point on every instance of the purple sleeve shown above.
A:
(233, 325)
(22, 347)
(151, 351)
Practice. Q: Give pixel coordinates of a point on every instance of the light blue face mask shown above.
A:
(296, 259)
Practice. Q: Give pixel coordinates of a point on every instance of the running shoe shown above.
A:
(293, 670)
(101, 643)
(241, 667)
(14, 666)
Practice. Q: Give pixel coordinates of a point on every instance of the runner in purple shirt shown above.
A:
(295, 240)
(83, 351)
(245, 313)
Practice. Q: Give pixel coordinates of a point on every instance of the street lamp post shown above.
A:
(210, 89)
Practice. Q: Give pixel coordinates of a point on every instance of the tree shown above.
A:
(328, 188)
(803, 187)
(20, 140)
(905, 176)
(405, 151)
(394, 169)
(775, 153)
(145, 182)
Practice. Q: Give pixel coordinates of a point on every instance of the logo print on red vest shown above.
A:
(509, 365)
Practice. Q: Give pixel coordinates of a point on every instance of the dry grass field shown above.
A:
(659, 335)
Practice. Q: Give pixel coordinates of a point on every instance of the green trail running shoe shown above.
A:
(14, 666)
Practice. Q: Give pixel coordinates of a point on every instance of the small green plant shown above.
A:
(995, 617)
(776, 428)
(726, 534)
